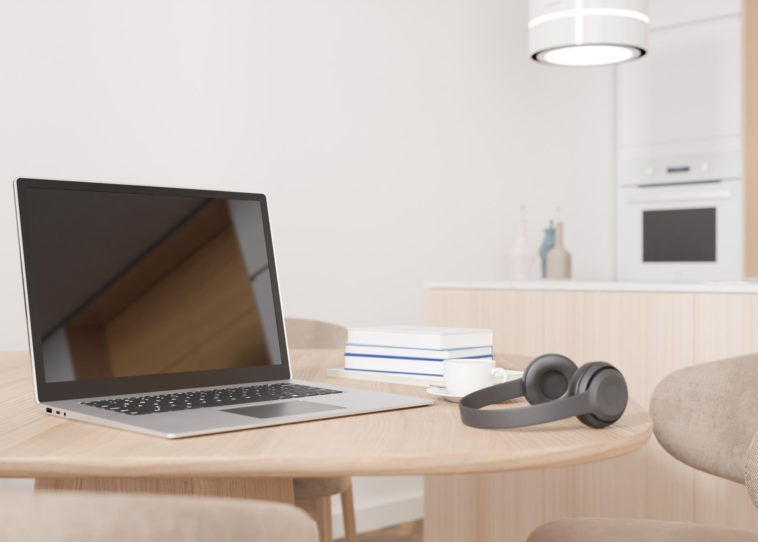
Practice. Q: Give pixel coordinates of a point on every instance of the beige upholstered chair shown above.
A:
(707, 417)
(314, 494)
(97, 517)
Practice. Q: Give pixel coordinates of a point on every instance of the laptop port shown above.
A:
(49, 410)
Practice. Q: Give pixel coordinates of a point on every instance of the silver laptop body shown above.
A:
(157, 310)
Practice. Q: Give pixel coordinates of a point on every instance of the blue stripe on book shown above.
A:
(440, 360)
(391, 372)
(417, 348)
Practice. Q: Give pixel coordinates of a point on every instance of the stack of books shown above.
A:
(416, 352)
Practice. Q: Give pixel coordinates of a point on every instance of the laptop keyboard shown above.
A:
(167, 402)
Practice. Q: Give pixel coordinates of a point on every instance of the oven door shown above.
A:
(689, 231)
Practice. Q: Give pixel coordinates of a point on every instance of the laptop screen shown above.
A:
(137, 283)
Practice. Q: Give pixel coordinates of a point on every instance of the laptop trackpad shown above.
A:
(276, 410)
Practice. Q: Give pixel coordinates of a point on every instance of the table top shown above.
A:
(425, 440)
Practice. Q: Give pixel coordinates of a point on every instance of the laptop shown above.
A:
(157, 310)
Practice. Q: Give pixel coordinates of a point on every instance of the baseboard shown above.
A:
(380, 514)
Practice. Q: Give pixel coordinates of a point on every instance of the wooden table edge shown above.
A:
(398, 466)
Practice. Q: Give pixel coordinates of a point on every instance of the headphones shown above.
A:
(596, 393)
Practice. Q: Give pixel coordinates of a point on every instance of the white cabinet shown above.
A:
(672, 12)
(687, 88)
(679, 125)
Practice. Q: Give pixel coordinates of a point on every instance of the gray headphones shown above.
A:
(596, 393)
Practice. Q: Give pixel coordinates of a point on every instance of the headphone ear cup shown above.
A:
(607, 391)
(547, 378)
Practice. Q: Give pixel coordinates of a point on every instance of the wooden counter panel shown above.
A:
(647, 336)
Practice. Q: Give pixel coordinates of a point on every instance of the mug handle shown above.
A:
(497, 372)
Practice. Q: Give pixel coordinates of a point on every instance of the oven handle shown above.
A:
(700, 195)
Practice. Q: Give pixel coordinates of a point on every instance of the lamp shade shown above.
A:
(587, 32)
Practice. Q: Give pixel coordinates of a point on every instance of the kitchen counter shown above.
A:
(645, 329)
(725, 287)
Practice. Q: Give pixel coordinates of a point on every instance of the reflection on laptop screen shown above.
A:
(138, 284)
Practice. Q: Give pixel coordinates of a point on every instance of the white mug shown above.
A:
(462, 376)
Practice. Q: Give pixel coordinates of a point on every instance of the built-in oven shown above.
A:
(680, 218)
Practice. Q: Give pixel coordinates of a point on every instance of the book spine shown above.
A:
(395, 378)
(377, 372)
(399, 341)
(414, 358)
(430, 342)
(418, 353)
(394, 365)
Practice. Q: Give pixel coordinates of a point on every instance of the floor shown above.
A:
(406, 532)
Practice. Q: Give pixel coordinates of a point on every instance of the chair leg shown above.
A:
(348, 515)
(320, 509)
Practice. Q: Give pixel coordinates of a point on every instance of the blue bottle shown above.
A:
(547, 244)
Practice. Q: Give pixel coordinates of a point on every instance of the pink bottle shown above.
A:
(522, 255)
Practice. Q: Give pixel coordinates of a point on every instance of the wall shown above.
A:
(396, 140)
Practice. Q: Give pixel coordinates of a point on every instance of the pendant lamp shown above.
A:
(587, 32)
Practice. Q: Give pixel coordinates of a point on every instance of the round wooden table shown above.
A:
(262, 462)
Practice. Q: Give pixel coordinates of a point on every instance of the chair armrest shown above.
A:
(90, 517)
(706, 415)
(751, 470)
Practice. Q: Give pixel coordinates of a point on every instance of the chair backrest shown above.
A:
(707, 415)
(94, 517)
(314, 334)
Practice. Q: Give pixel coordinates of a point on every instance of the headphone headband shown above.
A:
(596, 393)
(521, 416)
(495, 394)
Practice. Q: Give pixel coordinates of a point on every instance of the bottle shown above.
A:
(547, 243)
(522, 255)
(558, 259)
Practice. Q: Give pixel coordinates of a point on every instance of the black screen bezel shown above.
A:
(79, 389)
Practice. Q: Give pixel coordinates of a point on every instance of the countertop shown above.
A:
(725, 287)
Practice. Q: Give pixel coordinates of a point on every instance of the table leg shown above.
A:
(320, 509)
(348, 513)
(268, 489)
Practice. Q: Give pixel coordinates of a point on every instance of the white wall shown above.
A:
(396, 139)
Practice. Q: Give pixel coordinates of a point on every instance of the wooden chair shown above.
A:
(314, 494)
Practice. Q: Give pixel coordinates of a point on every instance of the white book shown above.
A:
(394, 365)
(393, 378)
(431, 338)
(399, 378)
(418, 353)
